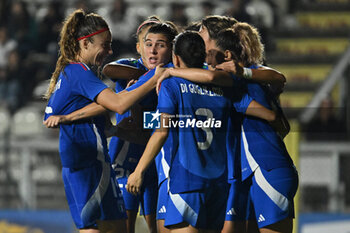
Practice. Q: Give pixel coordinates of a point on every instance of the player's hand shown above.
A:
(232, 67)
(54, 120)
(134, 184)
(131, 82)
(164, 75)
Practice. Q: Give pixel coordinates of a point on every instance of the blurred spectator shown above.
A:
(262, 16)
(122, 25)
(6, 45)
(10, 82)
(178, 14)
(326, 125)
(49, 28)
(83, 4)
(22, 27)
(4, 6)
(238, 11)
(207, 8)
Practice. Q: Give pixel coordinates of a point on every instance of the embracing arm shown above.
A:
(122, 101)
(264, 74)
(276, 118)
(118, 71)
(217, 77)
(152, 149)
(88, 111)
(257, 110)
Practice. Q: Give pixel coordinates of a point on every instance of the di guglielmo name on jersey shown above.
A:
(201, 90)
(191, 123)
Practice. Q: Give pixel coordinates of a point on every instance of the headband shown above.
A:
(146, 22)
(92, 34)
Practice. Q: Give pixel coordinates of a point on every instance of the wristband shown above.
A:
(247, 73)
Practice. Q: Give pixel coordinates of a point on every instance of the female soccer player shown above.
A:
(269, 178)
(94, 198)
(124, 154)
(255, 129)
(197, 179)
(158, 49)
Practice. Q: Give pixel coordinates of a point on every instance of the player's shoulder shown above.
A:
(77, 66)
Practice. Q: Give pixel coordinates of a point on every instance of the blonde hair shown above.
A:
(250, 40)
(76, 25)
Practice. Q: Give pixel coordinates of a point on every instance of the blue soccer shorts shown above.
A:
(147, 200)
(93, 194)
(266, 196)
(163, 196)
(203, 209)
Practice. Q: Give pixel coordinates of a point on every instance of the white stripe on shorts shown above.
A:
(95, 199)
(278, 198)
(183, 207)
(165, 165)
(252, 163)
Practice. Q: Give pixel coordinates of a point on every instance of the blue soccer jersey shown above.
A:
(260, 144)
(125, 155)
(76, 87)
(201, 114)
(91, 192)
(162, 160)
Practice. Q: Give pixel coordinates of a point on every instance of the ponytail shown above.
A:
(76, 26)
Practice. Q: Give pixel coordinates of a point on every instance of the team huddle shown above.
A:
(215, 163)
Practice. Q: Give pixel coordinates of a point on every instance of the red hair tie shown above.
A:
(92, 34)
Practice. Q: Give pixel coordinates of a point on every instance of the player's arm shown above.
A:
(88, 111)
(119, 71)
(276, 118)
(152, 149)
(122, 101)
(263, 74)
(257, 110)
(217, 77)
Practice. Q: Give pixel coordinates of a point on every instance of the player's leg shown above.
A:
(272, 193)
(93, 196)
(111, 226)
(149, 205)
(252, 226)
(131, 204)
(161, 227)
(130, 222)
(234, 227)
(183, 228)
(161, 206)
(283, 226)
(236, 208)
(90, 230)
(151, 222)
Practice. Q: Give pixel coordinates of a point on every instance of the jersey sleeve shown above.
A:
(85, 83)
(143, 79)
(242, 105)
(167, 98)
